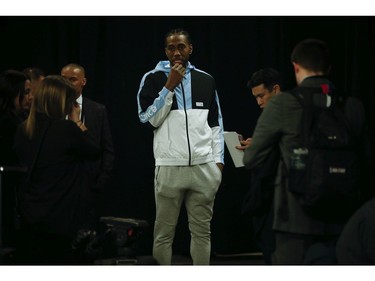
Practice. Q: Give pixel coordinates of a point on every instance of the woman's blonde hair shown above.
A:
(54, 98)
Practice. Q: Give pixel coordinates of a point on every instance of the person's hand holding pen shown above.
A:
(244, 143)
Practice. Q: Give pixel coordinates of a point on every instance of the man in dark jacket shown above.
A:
(94, 116)
(279, 125)
(264, 84)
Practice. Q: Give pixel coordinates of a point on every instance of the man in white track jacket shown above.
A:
(182, 105)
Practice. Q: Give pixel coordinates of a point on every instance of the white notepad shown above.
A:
(231, 140)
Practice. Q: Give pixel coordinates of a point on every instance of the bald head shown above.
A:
(76, 75)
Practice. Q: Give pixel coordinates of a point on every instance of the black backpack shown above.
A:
(324, 169)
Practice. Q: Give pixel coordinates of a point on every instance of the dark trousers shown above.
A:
(264, 235)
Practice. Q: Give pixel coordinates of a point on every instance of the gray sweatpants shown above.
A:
(196, 187)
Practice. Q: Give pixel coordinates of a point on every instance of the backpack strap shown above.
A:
(304, 97)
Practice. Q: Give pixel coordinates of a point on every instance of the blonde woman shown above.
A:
(53, 201)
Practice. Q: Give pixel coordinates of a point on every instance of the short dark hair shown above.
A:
(267, 76)
(33, 72)
(312, 54)
(178, 31)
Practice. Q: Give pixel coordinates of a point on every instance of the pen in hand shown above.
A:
(244, 143)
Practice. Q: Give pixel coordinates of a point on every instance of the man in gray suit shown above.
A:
(279, 125)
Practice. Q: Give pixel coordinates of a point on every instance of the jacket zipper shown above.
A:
(187, 124)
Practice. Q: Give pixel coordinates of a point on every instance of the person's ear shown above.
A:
(277, 88)
(296, 67)
(191, 49)
(84, 81)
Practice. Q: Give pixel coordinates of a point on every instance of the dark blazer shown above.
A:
(54, 198)
(95, 118)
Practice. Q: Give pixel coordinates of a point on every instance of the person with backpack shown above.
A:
(298, 229)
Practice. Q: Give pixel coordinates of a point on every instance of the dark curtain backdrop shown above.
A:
(117, 51)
